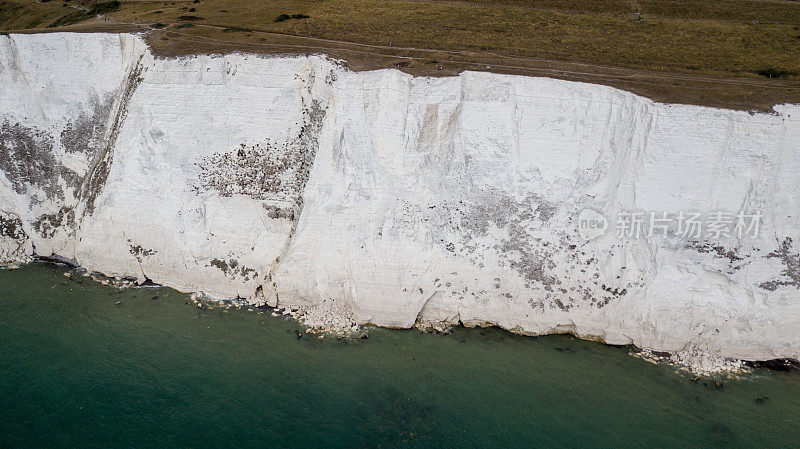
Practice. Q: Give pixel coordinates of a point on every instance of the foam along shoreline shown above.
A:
(702, 365)
(386, 199)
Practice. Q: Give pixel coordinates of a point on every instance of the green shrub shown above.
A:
(79, 16)
(104, 7)
(284, 17)
(235, 29)
(775, 73)
(70, 18)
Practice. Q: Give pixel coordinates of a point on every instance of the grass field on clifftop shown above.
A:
(736, 53)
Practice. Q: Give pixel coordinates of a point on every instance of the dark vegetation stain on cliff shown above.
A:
(86, 134)
(734, 260)
(232, 268)
(47, 224)
(791, 274)
(490, 228)
(26, 158)
(260, 171)
(266, 171)
(27, 154)
(11, 227)
(139, 252)
(718, 250)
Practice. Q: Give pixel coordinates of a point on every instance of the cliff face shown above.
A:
(381, 198)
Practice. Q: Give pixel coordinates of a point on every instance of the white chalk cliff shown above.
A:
(379, 197)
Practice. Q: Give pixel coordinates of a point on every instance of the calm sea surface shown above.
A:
(78, 370)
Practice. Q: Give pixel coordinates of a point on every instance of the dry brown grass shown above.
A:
(696, 51)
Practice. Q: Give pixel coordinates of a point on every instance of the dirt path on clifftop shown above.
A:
(707, 90)
(187, 38)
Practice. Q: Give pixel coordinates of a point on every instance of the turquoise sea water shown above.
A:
(78, 370)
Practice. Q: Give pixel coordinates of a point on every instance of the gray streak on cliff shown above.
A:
(791, 274)
(100, 165)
